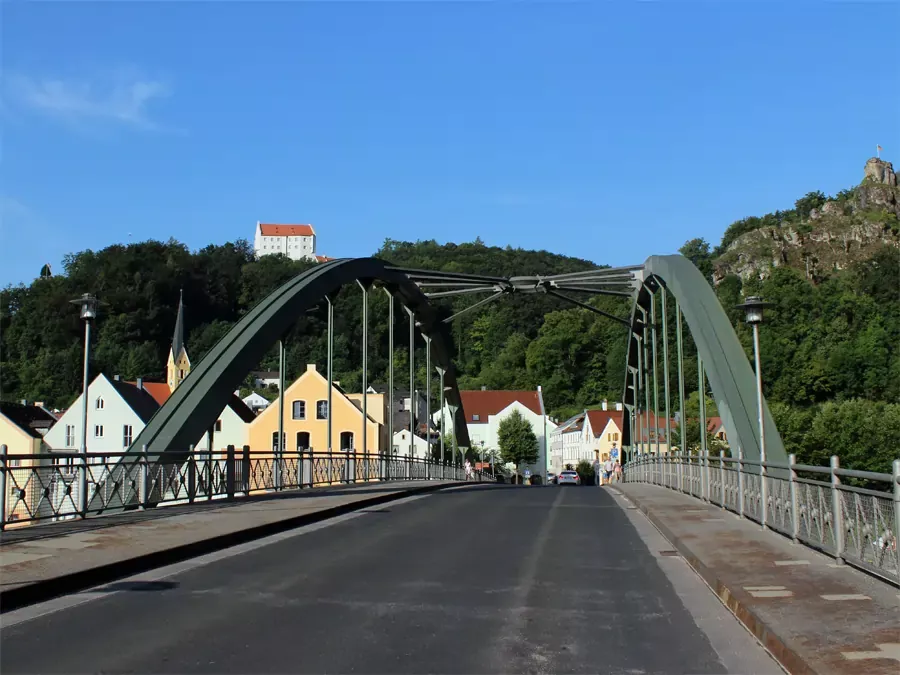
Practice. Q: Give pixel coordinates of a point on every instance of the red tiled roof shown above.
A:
(713, 423)
(323, 258)
(600, 418)
(270, 230)
(158, 390)
(484, 403)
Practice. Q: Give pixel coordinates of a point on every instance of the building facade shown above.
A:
(486, 409)
(22, 430)
(306, 413)
(297, 242)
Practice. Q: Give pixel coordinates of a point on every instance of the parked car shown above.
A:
(568, 478)
(551, 478)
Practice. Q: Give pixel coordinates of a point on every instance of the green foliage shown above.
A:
(517, 441)
(585, 471)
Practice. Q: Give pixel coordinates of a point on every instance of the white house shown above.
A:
(297, 242)
(485, 410)
(117, 412)
(256, 402)
(401, 445)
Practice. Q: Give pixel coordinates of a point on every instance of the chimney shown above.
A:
(117, 378)
(140, 383)
(604, 405)
(483, 388)
(38, 404)
(310, 368)
(23, 402)
(619, 407)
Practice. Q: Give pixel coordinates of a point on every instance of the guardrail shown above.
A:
(64, 485)
(854, 516)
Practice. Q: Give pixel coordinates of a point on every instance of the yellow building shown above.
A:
(22, 429)
(306, 419)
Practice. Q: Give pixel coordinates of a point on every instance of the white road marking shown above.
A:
(846, 596)
(768, 591)
(891, 650)
(787, 563)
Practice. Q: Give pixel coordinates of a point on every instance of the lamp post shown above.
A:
(88, 304)
(753, 308)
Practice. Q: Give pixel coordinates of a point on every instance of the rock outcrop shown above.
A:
(827, 239)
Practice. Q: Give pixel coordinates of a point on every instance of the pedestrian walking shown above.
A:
(608, 469)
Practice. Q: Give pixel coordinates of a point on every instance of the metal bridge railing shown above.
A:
(48, 486)
(853, 516)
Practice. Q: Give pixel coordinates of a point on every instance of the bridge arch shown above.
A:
(728, 370)
(197, 402)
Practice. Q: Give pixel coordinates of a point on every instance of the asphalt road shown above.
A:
(477, 580)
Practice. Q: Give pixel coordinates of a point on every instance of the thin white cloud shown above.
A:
(126, 100)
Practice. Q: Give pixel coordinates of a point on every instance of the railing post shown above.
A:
(3, 464)
(706, 478)
(245, 469)
(145, 477)
(792, 486)
(722, 476)
(837, 511)
(83, 485)
(896, 533)
(192, 475)
(229, 471)
(740, 467)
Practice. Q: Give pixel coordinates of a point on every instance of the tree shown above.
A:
(518, 444)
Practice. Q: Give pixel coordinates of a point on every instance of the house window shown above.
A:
(346, 440)
(302, 441)
(298, 410)
(275, 441)
(181, 373)
(218, 425)
(127, 435)
(70, 436)
(98, 431)
(476, 418)
(99, 403)
(321, 410)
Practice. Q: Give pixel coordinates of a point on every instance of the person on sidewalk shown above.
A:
(468, 470)
(598, 468)
(608, 469)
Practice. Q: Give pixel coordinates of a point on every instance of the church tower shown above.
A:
(179, 365)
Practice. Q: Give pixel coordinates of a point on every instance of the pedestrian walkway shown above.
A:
(43, 561)
(814, 615)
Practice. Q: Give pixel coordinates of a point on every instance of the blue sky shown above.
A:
(610, 131)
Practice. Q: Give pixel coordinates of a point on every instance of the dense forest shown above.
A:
(831, 348)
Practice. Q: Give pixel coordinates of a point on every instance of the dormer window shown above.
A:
(476, 418)
(99, 403)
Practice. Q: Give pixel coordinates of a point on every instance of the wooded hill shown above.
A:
(831, 347)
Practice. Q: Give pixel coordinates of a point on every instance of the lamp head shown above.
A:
(88, 304)
(753, 308)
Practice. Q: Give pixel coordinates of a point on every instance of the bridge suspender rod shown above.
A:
(655, 375)
(646, 347)
(678, 341)
(584, 305)
(474, 306)
(279, 448)
(412, 384)
(365, 379)
(330, 373)
(427, 396)
(665, 340)
(390, 417)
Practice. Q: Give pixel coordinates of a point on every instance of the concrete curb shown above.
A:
(780, 648)
(46, 589)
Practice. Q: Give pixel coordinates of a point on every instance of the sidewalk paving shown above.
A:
(815, 616)
(44, 561)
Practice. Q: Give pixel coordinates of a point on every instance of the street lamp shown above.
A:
(753, 308)
(89, 305)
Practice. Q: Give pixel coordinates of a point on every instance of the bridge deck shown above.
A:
(809, 611)
(42, 560)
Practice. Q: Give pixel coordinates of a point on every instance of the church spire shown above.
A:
(178, 337)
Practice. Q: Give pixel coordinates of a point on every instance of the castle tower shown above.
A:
(179, 365)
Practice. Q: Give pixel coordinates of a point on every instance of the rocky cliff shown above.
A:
(843, 230)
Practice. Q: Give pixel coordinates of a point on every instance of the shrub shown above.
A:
(586, 472)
